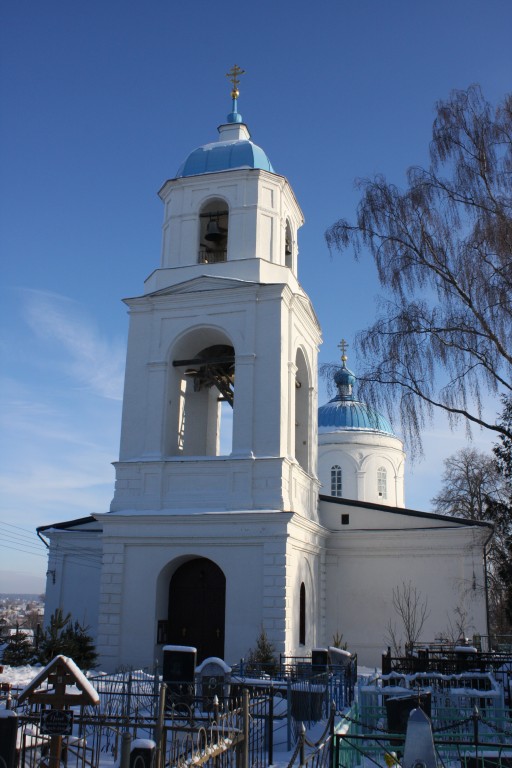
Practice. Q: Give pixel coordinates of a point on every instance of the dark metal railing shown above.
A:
(445, 661)
(212, 257)
(202, 732)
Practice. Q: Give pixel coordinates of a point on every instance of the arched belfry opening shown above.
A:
(288, 246)
(213, 231)
(302, 412)
(196, 612)
(202, 396)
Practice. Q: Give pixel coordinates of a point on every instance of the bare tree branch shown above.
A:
(412, 611)
(443, 252)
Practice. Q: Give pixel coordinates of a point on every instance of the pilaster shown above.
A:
(111, 588)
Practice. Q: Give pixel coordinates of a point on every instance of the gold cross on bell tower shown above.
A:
(343, 346)
(234, 75)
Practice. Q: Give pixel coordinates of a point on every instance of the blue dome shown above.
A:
(340, 414)
(224, 156)
(344, 412)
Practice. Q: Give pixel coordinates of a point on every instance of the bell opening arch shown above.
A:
(288, 246)
(201, 394)
(213, 231)
(303, 425)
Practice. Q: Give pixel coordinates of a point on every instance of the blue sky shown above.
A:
(101, 101)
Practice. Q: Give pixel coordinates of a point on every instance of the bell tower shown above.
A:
(220, 394)
(216, 481)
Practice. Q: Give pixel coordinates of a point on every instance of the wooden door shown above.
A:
(197, 597)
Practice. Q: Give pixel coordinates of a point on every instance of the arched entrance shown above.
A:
(196, 616)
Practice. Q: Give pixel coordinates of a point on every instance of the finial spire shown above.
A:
(343, 345)
(234, 75)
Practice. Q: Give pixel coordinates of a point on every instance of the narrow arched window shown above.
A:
(302, 615)
(336, 481)
(382, 483)
(288, 246)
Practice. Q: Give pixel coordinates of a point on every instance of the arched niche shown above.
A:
(201, 394)
(302, 412)
(338, 456)
(305, 601)
(213, 231)
(381, 474)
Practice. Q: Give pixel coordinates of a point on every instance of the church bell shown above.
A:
(213, 233)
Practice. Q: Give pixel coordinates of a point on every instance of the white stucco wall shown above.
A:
(360, 454)
(73, 574)
(378, 552)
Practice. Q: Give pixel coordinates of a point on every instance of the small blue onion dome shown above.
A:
(344, 380)
(232, 150)
(345, 413)
(224, 156)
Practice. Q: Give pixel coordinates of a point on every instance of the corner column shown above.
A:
(109, 619)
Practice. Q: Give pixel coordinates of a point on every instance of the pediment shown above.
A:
(203, 283)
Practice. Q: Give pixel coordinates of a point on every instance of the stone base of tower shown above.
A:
(261, 560)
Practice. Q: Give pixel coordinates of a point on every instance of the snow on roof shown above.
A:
(214, 660)
(184, 648)
(80, 680)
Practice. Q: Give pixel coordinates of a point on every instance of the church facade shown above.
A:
(238, 504)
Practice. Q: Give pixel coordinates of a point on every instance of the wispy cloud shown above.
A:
(61, 392)
(92, 360)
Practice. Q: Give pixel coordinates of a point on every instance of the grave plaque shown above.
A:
(56, 722)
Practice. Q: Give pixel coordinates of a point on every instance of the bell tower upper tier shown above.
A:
(229, 214)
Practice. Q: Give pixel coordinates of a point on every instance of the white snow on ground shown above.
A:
(19, 677)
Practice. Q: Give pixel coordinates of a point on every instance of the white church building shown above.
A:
(239, 505)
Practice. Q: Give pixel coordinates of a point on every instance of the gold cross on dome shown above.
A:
(234, 75)
(343, 345)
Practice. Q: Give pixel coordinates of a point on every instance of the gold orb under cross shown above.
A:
(234, 75)
(343, 345)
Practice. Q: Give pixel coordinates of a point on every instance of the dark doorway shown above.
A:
(197, 598)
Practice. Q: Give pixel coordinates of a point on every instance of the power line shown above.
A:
(89, 559)
(11, 525)
(26, 551)
(16, 539)
(32, 545)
